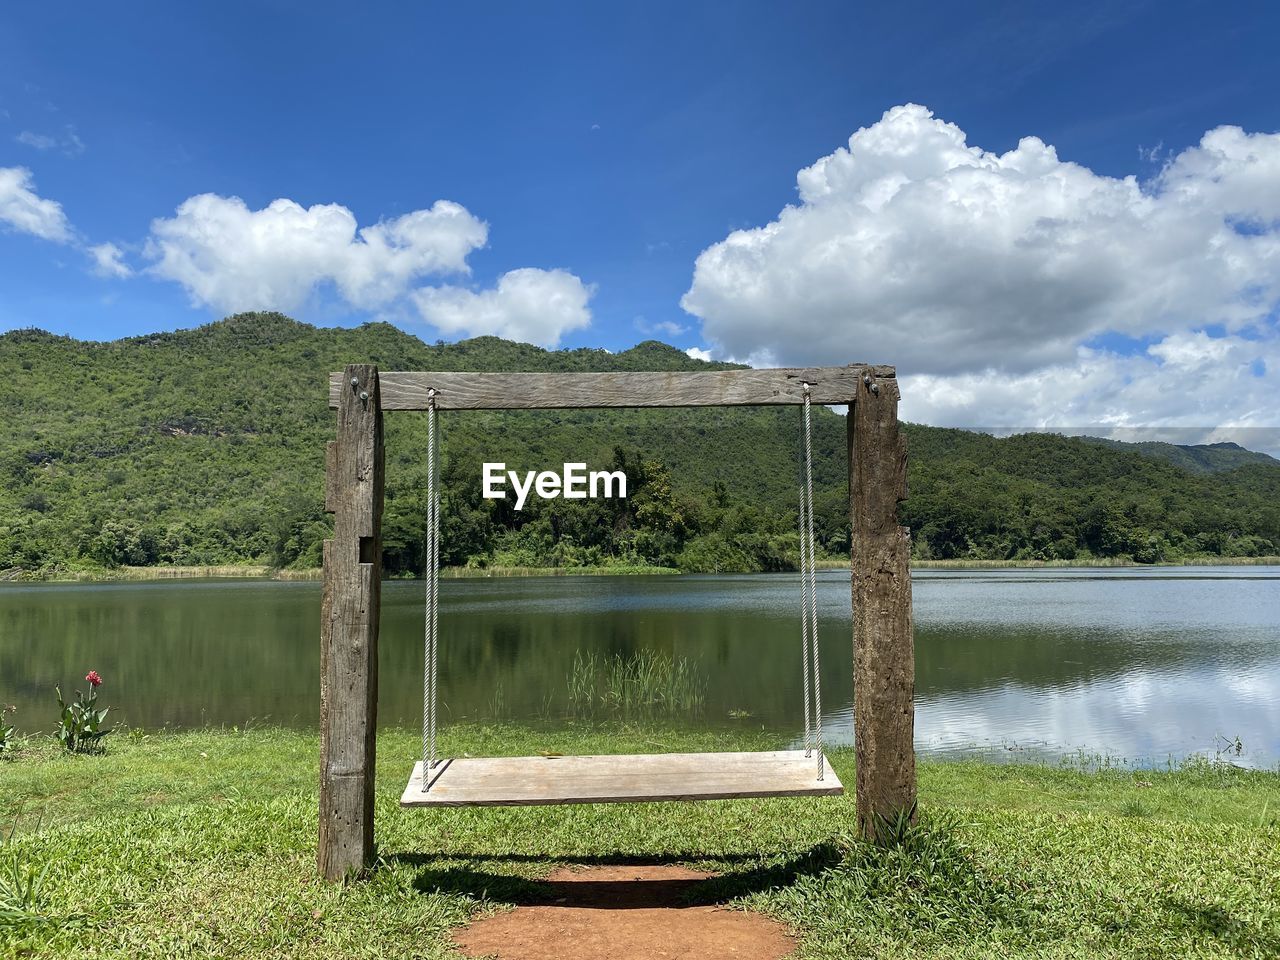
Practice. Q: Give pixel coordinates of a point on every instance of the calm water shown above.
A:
(1135, 664)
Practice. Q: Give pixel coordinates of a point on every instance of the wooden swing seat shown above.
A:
(624, 778)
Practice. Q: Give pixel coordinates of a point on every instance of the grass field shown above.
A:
(203, 844)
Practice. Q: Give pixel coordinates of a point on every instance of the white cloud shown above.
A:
(22, 209)
(1211, 388)
(916, 246)
(37, 141)
(108, 261)
(699, 354)
(530, 305)
(984, 275)
(232, 258)
(667, 328)
(69, 142)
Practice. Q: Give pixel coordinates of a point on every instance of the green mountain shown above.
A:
(1195, 457)
(205, 446)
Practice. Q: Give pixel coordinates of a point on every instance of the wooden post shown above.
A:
(883, 644)
(349, 628)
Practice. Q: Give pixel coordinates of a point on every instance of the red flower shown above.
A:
(93, 678)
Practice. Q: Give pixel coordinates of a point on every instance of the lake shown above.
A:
(1140, 665)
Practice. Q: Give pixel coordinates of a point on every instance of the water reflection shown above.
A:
(1141, 664)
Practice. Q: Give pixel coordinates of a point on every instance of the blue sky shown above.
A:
(603, 148)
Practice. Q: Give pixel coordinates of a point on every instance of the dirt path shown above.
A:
(623, 913)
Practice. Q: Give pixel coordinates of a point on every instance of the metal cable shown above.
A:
(435, 601)
(431, 618)
(804, 619)
(811, 589)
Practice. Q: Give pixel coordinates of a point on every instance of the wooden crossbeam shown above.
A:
(407, 390)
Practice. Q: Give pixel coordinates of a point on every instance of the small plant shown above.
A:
(902, 829)
(23, 903)
(7, 737)
(1134, 808)
(80, 722)
(644, 684)
(1228, 746)
(498, 703)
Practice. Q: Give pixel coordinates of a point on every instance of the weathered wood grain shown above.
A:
(531, 781)
(883, 644)
(349, 629)
(407, 390)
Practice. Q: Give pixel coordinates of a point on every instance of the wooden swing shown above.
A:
(621, 778)
(884, 665)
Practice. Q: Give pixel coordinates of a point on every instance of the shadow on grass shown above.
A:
(928, 886)
(618, 859)
(1214, 921)
(624, 894)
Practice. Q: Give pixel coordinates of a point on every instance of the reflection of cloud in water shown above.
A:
(1139, 717)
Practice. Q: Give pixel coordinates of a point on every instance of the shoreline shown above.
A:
(1093, 562)
(663, 733)
(263, 572)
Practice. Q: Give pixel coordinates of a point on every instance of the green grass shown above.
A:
(131, 574)
(1197, 561)
(646, 684)
(203, 844)
(605, 570)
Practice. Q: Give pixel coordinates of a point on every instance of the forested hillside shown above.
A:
(1198, 458)
(206, 447)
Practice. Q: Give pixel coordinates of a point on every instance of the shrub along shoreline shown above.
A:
(203, 843)
(263, 572)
